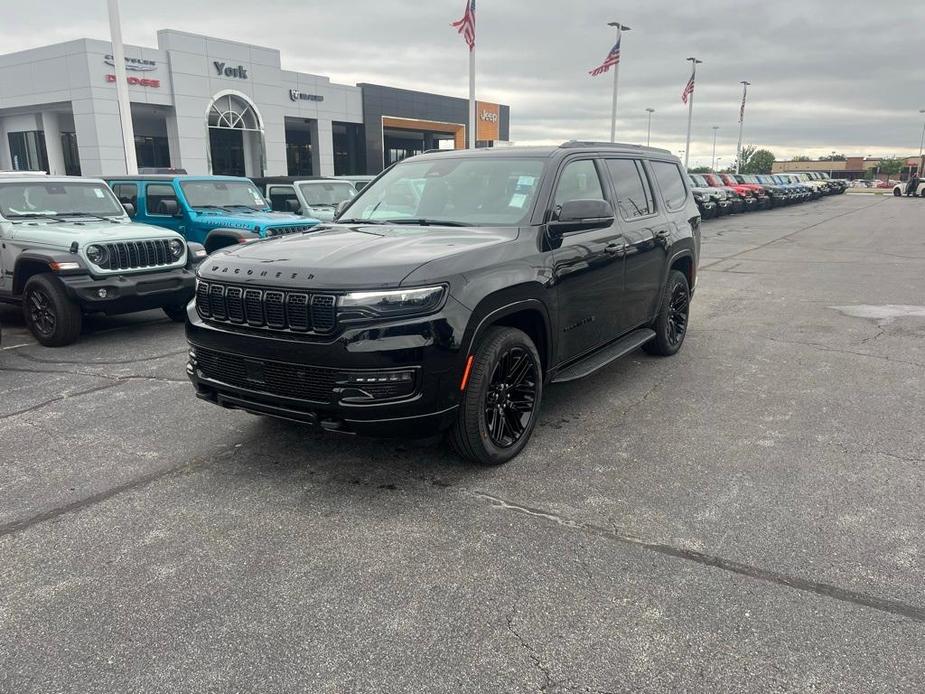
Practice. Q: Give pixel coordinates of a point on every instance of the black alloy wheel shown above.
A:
(671, 323)
(51, 316)
(678, 310)
(510, 400)
(500, 402)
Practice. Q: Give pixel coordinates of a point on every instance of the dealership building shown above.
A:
(209, 105)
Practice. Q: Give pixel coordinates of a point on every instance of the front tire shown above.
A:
(51, 316)
(671, 323)
(176, 313)
(499, 408)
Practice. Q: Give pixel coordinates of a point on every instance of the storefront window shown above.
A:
(152, 152)
(349, 154)
(299, 152)
(71, 156)
(27, 151)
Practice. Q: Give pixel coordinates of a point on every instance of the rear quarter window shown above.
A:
(671, 182)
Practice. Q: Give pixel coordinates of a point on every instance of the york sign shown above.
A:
(240, 72)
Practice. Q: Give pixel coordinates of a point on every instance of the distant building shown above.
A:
(851, 168)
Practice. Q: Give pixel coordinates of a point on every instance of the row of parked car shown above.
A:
(719, 194)
(72, 246)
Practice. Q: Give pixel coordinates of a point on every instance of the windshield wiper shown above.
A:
(427, 222)
(35, 215)
(359, 221)
(87, 214)
(246, 207)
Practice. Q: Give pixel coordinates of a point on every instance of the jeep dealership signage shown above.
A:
(296, 95)
(228, 71)
(133, 64)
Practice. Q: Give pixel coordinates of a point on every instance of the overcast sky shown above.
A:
(845, 75)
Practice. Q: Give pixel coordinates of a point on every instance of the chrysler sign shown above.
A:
(134, 64)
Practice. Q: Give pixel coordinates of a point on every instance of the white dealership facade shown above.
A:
(198, 103)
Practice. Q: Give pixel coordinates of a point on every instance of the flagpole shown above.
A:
(741, 126)
(690, 110)
(616, 79)
(472, 97)
(125, 107)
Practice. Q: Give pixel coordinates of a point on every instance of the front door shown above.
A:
(588, 267)
(645, 229)
(227, 148)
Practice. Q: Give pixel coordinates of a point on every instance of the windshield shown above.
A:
(39, 198)
(328, 193)
(700, 181)
(489, 191)
(207, 193)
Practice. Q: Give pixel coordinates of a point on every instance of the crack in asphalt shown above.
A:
(131, 485)
(531, 651)
(114, 381)
(84, 362)
(827, 590)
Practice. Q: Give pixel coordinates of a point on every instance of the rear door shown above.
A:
(588, 265)
(646, 229)
(156, 195)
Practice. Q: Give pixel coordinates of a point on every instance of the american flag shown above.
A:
(466, 25)
(613, 58)
(688, 90)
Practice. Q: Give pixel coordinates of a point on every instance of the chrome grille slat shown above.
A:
(270, 309)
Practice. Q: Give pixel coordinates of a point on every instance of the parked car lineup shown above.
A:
(718, 194)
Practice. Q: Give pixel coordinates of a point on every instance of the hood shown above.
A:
(242, 219)
(84, 232)
(348, 257)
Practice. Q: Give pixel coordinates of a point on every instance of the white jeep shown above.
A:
(67, 247)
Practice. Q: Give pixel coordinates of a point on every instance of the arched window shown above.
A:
(234, 113)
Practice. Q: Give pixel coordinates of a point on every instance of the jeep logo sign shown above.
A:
(240, 72)
(489, 116)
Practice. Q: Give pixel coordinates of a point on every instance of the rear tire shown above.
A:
(897, 193)
(176, 313)
(52, 317)
(673, 317)
(499, 408)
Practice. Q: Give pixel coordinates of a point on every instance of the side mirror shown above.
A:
(293, 205)
(581, 215)
(168, 208)
(129, 209)
(341, 206)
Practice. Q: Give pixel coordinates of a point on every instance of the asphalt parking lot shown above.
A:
(746, 516)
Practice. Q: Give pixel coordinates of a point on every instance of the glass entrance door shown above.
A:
(227, 148)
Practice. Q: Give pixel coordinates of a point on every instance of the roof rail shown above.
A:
(575, 144)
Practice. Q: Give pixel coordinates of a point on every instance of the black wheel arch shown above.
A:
(31, 263)
(222, 238)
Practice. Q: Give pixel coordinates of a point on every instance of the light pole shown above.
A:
(713, 165)
(649, 129)
(741, 126)
(616, 77)
(832, 167)
(690, 109)
(922, 147)
(125, 108)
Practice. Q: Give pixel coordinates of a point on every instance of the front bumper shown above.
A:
(131, 292)
(309, 379)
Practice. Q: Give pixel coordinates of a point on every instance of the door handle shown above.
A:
(617, 249)
(662, 234)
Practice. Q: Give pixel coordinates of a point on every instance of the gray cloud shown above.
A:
(844, 75)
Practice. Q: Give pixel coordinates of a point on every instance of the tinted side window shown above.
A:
(579, 181)
(127, 193)
(280, 197)
(672, 185)
(634, 197)
(158, 193)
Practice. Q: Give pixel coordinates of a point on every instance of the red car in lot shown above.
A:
(757, 190)
(745, 194)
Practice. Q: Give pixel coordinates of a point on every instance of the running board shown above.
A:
(601, 358)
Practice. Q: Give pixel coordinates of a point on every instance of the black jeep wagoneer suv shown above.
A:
(451, 291)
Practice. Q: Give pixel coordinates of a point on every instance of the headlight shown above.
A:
(398, 302)
(176, 248)
(96, 255)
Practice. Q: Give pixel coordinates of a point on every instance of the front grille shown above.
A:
(131, 255)
(288, 229)
(276, 378)
(271, 309)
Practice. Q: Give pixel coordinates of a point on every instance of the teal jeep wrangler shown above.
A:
(216, 211)
(67, 247)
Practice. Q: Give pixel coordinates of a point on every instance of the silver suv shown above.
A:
(67, 247)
